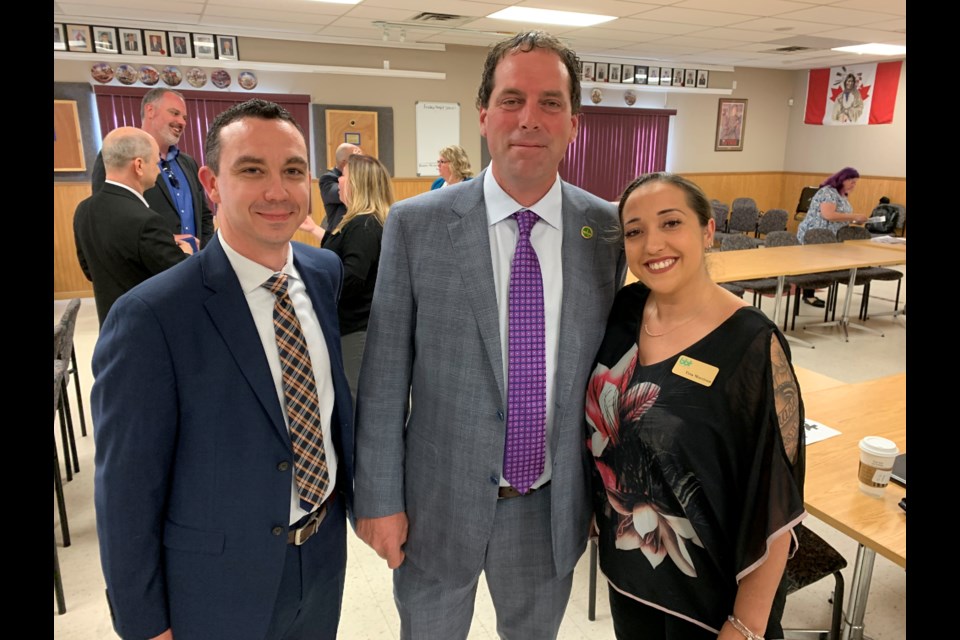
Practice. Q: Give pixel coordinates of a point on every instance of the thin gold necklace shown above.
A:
(685, 322)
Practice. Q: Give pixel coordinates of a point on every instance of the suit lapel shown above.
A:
(230, 313)
(471, 244)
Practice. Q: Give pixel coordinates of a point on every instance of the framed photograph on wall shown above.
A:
(79, 38)
(677, 77)
(59, 37)
(731, 120)
(666, 76)
(105, 40)
(640, 74)
(690, 78)
(702, 78)
(587, 72)
(131, 42)
(227, 47)
(615, 73)
(204, 46)
(180, 44)
(603, 68)
(627, 75)
(654, 76)
(156, 43)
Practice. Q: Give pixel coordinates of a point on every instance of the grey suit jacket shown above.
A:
(434, 339)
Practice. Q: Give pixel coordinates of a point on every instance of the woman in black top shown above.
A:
(366, 190)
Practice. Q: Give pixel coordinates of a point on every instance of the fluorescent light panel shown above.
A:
(875, 49)
(549, 16)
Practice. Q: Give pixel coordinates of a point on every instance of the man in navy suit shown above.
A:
(203, 532)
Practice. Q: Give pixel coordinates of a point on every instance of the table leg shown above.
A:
(859, 590)
(844, 321)
(776, 313)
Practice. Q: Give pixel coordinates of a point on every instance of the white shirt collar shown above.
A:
(130, 189)
(501, 206)
(252, 274)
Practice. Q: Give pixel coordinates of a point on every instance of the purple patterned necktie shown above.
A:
(523, 456)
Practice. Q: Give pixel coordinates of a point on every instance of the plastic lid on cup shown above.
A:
(878, 446)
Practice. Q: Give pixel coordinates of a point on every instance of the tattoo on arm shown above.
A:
(787, 399)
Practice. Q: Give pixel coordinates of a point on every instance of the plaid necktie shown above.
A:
(300, 394)
(524, 452)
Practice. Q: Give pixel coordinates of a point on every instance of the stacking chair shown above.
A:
(59, 367)
(772, 220)
(798, 283)
(866, 275)
(70, 458)
(803, 204)
(721, 212)
(813, 561)
(744, 216)
(69, 320)
(759, 286)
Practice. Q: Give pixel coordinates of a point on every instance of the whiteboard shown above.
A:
(438, 126)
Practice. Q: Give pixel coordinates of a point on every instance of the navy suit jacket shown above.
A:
(193, 460)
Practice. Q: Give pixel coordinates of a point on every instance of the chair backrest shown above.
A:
(902, 218)
(743, 215)
(853, 233)
(736, 242)
(58, 330)
(720, 213)
(58, 370)
(772, 220)
(819, 236)
(69, 322)
(806, 195)
(781, 239)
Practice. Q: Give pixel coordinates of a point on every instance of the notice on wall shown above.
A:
(438, 126)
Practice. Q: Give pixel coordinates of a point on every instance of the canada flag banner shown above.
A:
(853, 94)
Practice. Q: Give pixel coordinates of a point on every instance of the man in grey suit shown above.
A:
(436, 404)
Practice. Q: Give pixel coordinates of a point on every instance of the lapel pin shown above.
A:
(586, 232)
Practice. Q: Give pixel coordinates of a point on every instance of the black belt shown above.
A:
(304, 532)
(510, 492)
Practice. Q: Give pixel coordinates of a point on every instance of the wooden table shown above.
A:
(878, 408)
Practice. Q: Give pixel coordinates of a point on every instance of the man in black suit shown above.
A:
(177, 196)
(120, 241)
(330, 187)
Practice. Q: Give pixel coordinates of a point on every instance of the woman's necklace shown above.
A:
(685, 322)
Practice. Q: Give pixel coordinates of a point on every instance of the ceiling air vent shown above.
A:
(789, 49)
(437, 18)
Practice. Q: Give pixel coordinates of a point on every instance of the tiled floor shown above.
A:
(368, 609)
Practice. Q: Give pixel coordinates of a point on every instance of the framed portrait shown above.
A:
(653, 76)
(615, 73)
(105, 40)
(588, 71)
(666, 76)
(731, 121)
(59, 37)
(677, 78)
(603, 69)
(131, 42)
(79, 38)
(227, 47)
(627, 75)
(690, 78)
(204, 46)
(640, 74)
(180, 44)
(155, 43)
(702, 79)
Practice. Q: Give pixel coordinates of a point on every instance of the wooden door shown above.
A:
(355, 127)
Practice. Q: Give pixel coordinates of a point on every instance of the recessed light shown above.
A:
(874, 49)
(549, 16)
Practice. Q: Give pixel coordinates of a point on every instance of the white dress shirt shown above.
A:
(546, 238)
(131, 190)
(252, 276)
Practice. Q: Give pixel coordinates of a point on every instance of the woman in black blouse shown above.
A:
(366, 190)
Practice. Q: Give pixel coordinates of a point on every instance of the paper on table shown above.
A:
(817, 431)
(889, 240)
(873, 219)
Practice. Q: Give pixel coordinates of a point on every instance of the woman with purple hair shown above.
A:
(830, 209)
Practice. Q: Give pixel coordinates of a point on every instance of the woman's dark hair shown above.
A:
(696, 199)
(836, 180)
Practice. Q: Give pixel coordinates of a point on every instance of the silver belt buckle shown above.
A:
(304, 533)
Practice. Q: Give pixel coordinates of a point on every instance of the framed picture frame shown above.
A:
(677, 78)
(690, 78)
(155, 43)
(703, 79)
(627, 76)
(588, 71)
(131, 41)
(603, 70)
(204, 46)
(615, 73)
(227, 48)
(105, 40)
(180, 44)
(666, 76)
(731, 121)
(59, 37)
(79, 38)
(640, 74)
(653, 76)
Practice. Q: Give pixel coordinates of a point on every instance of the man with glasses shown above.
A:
(177, 195)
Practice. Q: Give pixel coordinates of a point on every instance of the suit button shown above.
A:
(283, 466)
(500, 415)
(276, 531)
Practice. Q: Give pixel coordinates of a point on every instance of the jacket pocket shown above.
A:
(182, 538)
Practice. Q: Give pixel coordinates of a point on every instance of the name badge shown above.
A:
(696, 371)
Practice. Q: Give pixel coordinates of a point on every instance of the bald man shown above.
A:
(330, 186)
(120, 241)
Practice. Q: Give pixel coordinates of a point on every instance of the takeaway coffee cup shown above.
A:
(876, 462)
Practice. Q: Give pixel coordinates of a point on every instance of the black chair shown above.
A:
(71, 460)
(59, 368)
(803, 204)
(69, 320)
(866, 275)
(813, 561)
(801, 282)
(759, 286)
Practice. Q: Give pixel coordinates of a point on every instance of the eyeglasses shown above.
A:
(167, 171)
(443, 161)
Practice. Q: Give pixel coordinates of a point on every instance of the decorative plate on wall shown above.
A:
(149, 75)
(220, 79)
(197, 77)
(171, 76)
(247, 80)
(102, 72)
(127, 73)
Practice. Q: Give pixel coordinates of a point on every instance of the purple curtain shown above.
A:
(614, 146)
(120, 107)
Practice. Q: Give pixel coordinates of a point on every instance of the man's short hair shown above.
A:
(155, 95)
(255, 108)
(120, 151)
(528, 41)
